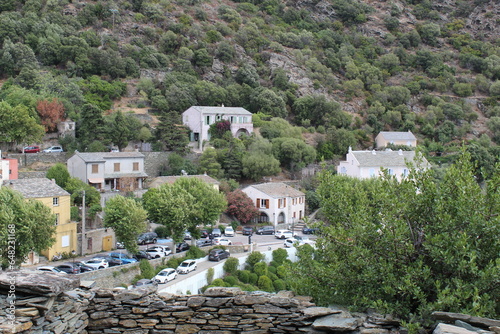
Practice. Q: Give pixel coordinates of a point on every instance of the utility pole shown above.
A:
(84, 239)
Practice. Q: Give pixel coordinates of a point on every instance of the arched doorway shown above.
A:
(281, 218)
(263, 218)
(241, 132)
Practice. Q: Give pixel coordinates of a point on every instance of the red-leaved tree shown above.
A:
(241, 206)
(50, 112)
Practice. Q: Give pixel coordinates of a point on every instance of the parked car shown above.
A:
(283, 234)
(165, 249)
(265, 230)
(147, 238)
(247, 230)
(69, 268)
(216, 232)
(53, 149)
(83, 267)
(97, 263)
(51, 269)
(124, 257)
(298, 240)
(309, 230)
(120, 245)
(187, 236)
(31, 149)
(166, 275)
(204, 234)
(186, 266)
(204, 242)
(229, 231)
(142, 255)
(145, 282)
(112, 261)
(222, 241)
(155, 253)
(181, 247)
(218, 254)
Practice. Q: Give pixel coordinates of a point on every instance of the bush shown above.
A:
(254, 258)
(173, 262)
(231, 265)
(231, 280)
(210, 275)
(147, 270)
(195, 253)
(279, 285)
(265, 284)
(279, 255)
(260, 269)
(244, 276)
(281, 271)
(253, 278)
(218, 282)
(162, 231)
(272, 269)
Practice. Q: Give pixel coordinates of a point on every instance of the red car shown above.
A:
(31, 149)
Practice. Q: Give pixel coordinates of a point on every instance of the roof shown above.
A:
(394, 135)
(221, 110)
(102, 156)
(36, 188)
(385, 158)
(158, 181)
(277, 189)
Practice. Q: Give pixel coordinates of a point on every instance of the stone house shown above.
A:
(395, 138)
(278, 203)
(198, 120)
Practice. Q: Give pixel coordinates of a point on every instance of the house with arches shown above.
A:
(278, 203)
(198, 119)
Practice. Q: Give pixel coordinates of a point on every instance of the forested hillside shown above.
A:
(342, 70)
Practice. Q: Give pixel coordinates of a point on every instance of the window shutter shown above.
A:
(257, 204)
(267, 204)
(284, 202)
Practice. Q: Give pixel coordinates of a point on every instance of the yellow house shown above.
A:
(58, 200)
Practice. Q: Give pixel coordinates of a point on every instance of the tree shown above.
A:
(90, 127)
(184, 205)
(119, 131)
(257, 165)
(407, 248)
(50, 112)
(17, 125)
(25, 226)
(317, 109)
(59, 173)
(268, 102)
(76, 187)
(172, 134)
(241, 206)
(208, 163)
(127, 218)
(293, 153)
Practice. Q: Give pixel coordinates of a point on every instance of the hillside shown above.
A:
(363, 66)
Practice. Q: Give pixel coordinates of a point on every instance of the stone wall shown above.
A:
(29, 159)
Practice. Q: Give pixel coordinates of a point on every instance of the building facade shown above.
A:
(106, 171)
(278, 203)
(8, 169)
(198, 120)
(368, 164)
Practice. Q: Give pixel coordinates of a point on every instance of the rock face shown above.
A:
(38, 284)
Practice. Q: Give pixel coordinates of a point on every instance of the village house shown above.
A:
(385, 138)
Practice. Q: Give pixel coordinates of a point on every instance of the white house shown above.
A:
(198, 120)
(109, 170)
(395, 138)
(366, 164)
(278, 203)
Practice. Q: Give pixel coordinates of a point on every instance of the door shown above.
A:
(107, 243)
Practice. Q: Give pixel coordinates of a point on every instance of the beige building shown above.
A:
(367, 164)
(58, 200)
(395, 138)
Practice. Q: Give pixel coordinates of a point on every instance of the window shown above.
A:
(135, 166)
(391, 171)
(207, 120)
(55, 201)
(343, 170)
(231, 119)
(372, 172)
(95, 168)
(57, 219)
(65, 241)
(405, 172)
(117, 167)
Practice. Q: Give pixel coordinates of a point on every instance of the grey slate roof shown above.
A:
(278, 189)
(158, 181)
(102, 156)
(385, 158)
(36, 188)
(222, 110)
(394, 135)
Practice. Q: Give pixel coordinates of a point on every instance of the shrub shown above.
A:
(279, 255)
(173, 262)
(281, 271)
(147, 270)
(279, 285)
(231, 280)
(210, 275)
(218, 282)
(162, 231)
(244, 276)
(265, 284)
(253, 278)
(260, 269)
(231, 265)
(195, 253)
(254, 258)
(272, 269)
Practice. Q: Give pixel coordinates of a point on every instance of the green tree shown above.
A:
(172, 134)
(18, 126)
(127, 218)
(257, 165)
(90, 127)
(208, 163)
(118, 131)
(268, 102)
(76, 187)
(315, 108)
(293, 153)
(25, 226)
(436, 246)
(59, 173)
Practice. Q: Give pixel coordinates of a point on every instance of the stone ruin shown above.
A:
(53, 303)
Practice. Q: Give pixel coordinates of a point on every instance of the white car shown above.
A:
(222, 241)
(51, 269)
(166, 275)
(97, 263)
(283, 234)
(155, 253)
(229, 231)
(298, 241)
(165, 249)
(53, 149)
(186, 266)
